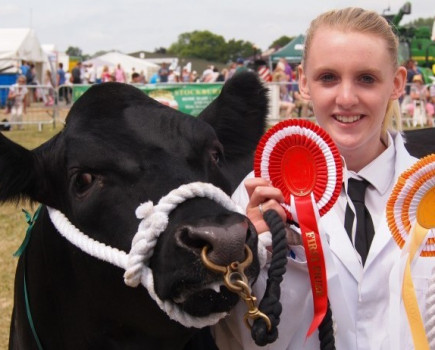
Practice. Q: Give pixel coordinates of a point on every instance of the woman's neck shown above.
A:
(357, 160)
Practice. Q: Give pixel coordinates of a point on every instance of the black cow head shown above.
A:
(420, 142)
(119, 149)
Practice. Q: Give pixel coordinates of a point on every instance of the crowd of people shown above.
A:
(417, 100)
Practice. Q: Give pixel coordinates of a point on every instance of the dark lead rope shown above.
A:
(270, 304)
(326, 331)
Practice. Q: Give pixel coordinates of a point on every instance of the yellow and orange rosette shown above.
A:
(411, 219)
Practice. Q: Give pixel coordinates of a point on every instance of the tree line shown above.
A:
(206, 45)
(201, 44)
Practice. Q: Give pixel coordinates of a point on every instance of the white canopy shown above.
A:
(18, 44)
(128, 63)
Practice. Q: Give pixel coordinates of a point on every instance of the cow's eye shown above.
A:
(83, 181)
(215, 156)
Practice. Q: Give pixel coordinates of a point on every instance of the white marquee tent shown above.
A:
(128, 63)
(18, 44)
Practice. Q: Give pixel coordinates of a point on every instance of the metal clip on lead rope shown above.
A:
(237, 282)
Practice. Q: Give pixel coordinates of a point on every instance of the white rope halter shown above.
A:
(154, 222)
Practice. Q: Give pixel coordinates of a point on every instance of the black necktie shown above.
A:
(364, 225)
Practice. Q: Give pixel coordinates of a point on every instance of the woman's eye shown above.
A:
(83, 181)
(327, 78)
(368, 79)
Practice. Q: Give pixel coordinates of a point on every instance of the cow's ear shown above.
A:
(19, 169)
(238, 114)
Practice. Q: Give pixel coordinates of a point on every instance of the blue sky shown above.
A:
(133, 25)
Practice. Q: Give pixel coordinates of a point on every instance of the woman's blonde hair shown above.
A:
(354, 19)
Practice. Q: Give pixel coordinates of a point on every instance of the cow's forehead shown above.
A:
(113, 110)
(120, 121)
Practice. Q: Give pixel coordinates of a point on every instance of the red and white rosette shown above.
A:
(411, 219)
(300, 159)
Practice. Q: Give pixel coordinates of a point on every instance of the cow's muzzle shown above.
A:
(154, 222)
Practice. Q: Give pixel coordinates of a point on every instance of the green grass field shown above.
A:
(13, 228)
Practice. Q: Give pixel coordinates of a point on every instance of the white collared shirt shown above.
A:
(380, 174)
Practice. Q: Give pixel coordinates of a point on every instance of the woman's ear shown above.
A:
(399, 83)
(303, 86)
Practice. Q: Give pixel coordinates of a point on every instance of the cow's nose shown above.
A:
(227, 244)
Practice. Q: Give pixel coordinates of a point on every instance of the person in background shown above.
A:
(24, 68)
(105, 75)
(92, 74)
(76, 73)
(173, 76)
(209, 75)
(155, 78)
(61, 84)
(419, 107)
(240, 66)
(142, 77)
(135, 78)
(302, 105)
(285, 99)
(18, 93)
(222, 74)
(411, 70)
(120, 74)
(48, 89)
(186, 76)
(32, 85)
(163, 73)
(355, 99)
(231, 70)
(289, 73)
(31, 74)
(195, 76)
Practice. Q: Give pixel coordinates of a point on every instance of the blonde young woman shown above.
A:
(351, 75)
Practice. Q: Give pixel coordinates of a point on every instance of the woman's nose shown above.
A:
(346, 95)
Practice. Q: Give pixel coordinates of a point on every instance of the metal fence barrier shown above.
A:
(40, 107)
(46, 105)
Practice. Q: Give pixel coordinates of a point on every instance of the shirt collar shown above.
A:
(379, 172)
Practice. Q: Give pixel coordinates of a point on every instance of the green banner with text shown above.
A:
(187, 98)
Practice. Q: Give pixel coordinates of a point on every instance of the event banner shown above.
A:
(187, 98)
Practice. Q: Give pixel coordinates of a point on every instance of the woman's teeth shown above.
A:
(348, 118)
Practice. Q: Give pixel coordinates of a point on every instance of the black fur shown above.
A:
(420, 142)
(120, 148)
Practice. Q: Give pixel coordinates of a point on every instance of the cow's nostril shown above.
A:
(227, 243)
(186, 238)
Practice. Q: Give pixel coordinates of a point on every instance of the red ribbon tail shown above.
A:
(315, 259)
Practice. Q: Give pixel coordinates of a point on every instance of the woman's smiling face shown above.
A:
(350, 78)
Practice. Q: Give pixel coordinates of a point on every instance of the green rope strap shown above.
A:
(30, 221)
